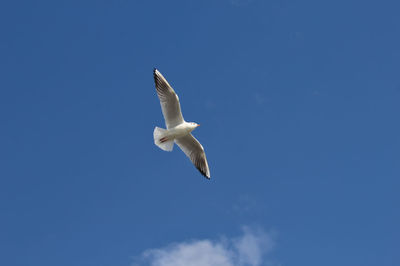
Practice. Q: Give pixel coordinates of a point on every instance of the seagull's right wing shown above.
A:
(195, 151)
(169, 101)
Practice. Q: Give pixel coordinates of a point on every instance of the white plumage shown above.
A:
(178, 130)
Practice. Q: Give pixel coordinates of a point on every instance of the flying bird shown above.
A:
(178, 130)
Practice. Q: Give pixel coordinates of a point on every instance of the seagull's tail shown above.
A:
(161, 139)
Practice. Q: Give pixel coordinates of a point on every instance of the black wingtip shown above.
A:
(155, 74)
(203, 173)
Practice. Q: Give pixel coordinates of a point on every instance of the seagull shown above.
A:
(178, 130)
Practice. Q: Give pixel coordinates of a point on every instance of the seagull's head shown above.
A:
(194, 125)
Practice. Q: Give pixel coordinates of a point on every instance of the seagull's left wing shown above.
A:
(169, 101)
(193, 149)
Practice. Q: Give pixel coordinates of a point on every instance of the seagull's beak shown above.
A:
(198, 125)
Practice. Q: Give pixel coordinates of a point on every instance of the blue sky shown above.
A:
(299, 107)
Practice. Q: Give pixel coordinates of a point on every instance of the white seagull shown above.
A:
(178, 129)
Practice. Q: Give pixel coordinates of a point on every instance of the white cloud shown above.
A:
(249, 249)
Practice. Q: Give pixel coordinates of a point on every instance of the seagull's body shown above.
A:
(178, 130)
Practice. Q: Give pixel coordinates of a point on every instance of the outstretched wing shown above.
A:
(169, 101)
(193, 149)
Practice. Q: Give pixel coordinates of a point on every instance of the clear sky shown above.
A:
(299, 105)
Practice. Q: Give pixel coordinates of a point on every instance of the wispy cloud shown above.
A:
(249, 249)
(246, 204)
